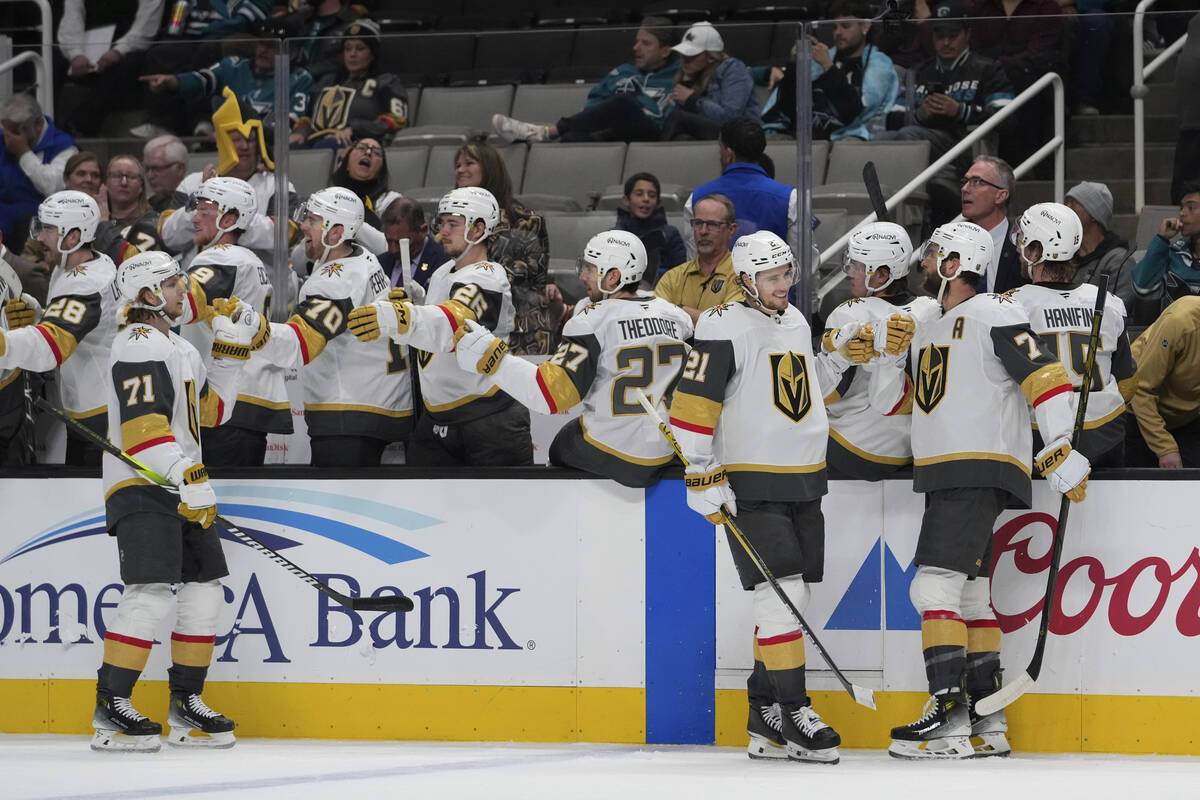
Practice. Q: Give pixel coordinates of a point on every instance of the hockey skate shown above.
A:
(119, 727)
(766, 732)
(943, 731)
(189, 714)
(988, 733)
(808, 737)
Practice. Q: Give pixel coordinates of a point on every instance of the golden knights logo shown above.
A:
(333, 108)
(790, 385)
(716, 286)
(330, 270)
(80, 269)
(139, 332)
(932, 369)
(718, 310)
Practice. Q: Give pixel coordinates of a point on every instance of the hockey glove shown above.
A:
(478, 349)
(414, 293)
(381, 318)
(1066, 470)
(847, 345)
(238, 311)
(19, 312)
(198, 501)
(893, 335)
(708, 492)
(236, 339)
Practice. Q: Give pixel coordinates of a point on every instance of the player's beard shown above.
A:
(932, 283)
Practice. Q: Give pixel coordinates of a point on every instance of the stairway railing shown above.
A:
(1142, 71)
(43, 64)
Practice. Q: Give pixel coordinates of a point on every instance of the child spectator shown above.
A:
(643, 215)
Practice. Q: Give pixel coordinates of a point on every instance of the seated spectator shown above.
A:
(165, 159)
(317, 24)
(987, 189)
(404, 218)
(520, 243)
(711, 88)
(707, 280)
(32, 160)
(377, 105)
(127, 218)
(363, 170)
(1102, 251)
(631, 104)
(854, 83)
(643, 215)
(1166, 404)
(1168, 271)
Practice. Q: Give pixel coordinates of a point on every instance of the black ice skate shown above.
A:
(188, 715)
(766, 731)
(119, 727)
(808, 737)
(988, 733)
(943, 731)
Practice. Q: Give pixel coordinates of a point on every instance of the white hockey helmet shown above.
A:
(67, 211)
(760, 251)
(880, 244)
(335, 206)
(149, 270)
(1052, 225)
(228, 194)
(472, 203)
(619, 250)
(971, 244)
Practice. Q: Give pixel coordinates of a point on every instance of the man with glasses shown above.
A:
(165, 159)
(708, 279)
(987, 190)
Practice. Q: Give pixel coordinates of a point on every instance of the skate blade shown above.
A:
(829, 755)
(765, 749)
(949, 747)
(181, 737)
(990, 745)
(105, 741)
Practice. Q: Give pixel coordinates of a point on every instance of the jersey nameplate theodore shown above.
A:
(792, 392)
(933, 367)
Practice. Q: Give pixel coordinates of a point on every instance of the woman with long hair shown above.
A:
(711, 87)
(363, 170)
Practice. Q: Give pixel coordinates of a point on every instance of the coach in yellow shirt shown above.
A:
(708, 279)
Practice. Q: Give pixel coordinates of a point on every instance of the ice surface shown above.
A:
(63, 766)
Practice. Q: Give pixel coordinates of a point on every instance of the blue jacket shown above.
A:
(880, 87)
(730, 94)
(651, 89)
(761, 203)
(18, 197)
(1169, 266)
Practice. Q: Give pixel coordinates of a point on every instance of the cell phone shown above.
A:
(936, 88)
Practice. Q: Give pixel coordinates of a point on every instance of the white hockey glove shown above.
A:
(413, 293)
(381, 318)
(848, 345)
(197, 500)
(1066, 470)
(478, 349)
(708, 492)
(894, 334)
(237, 339)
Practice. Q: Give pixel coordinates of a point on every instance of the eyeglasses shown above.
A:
(975, 182)
(701, 224)
(118, 177)
(369, 149)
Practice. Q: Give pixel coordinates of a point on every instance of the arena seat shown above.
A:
(527, 50)
(455, 114)
(309, 170)
(430, 54)
(688, 164)
(440, 169)
(570, 232)
(896, 164)
(1148, 221)
(547, 103)
(783, 153)
(577, 171)
(610, 46)
(406, 165)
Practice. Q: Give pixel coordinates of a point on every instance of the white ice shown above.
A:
(63, 766)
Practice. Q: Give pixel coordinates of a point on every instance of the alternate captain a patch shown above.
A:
(790, 385)
(932, 368)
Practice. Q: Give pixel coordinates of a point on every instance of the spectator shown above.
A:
(1168, 269)
(1102, 251)
(906, 40)
(761, 202)
(1093, 38)
(404, 218)
(317, 24)
(987, 189)
(363, 170)
(93, 90)
(378, 103)
(520, 243)
(1187, 89)
(643, 215)
(711, 87)
(127, 218)
(32, 160)
(1166, 403)
(708, 279)
(631, 104)
(854, 83)
(165, 159)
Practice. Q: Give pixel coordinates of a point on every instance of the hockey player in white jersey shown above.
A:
(357, 398)
(749, 415)
(1047, 238)
(467, 419)
(221, 271)
(618, 343)
(863, 444)
(160, 399)
(976, 371)
(76, 330)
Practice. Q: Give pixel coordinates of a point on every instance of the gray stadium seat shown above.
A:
(427, 196)
(576, 171)
(455, 114)
(783, 153)
(570, 232)
(406, 165)
(834, 222)
(440, 170)
(309, 170)
(686, 163)
(548, 102)
(896, 164)
(1149, 220)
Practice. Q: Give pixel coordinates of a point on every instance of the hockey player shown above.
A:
(357, 398)
(618, 343)
(222, 270)
(467, 418)
(976, 370)
(1047, 238)
(160, 396)
(749, 415)
(77, 328)
(861, 443)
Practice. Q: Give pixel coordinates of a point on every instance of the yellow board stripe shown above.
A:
(863, 454)
(943, 633)
(555, 380)
(383, 412)
(776, 469)
(644, 462)
(695, 410)
(140, 430)
(972, 456)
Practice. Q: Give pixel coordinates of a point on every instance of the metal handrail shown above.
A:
(1138, 91)
(46, 73)
(39, 67)
(1057, 144)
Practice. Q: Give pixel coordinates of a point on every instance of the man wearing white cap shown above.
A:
(1102, 251)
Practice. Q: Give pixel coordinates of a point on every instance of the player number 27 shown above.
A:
(644, 359)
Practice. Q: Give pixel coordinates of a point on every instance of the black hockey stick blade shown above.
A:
(392, 602)
(871, 181)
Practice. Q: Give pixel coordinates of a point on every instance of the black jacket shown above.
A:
(1008, 271)
(664, 245)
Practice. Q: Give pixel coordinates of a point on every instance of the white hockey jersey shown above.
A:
(229, 270)
(750, 399)
(351, 388)
(175, 225)
(871, 444)
(160, 396)
(75, 334)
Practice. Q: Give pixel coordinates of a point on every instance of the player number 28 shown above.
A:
(67, 309)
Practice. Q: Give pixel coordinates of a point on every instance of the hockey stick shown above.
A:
(861, 695)
(385, 603)
(1026, 680)
(871, 181)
